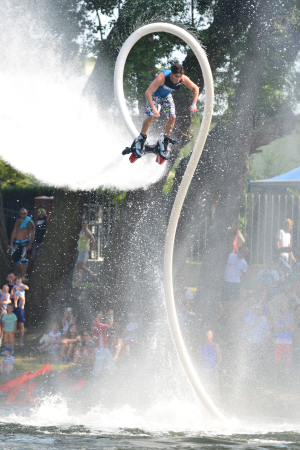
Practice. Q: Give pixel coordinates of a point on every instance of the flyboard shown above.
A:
(201, 138)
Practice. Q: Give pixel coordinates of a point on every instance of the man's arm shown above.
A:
(193, 87)
(13, 234)
(156, 83)
(30, 225)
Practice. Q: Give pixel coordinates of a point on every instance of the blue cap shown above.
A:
(8, 349)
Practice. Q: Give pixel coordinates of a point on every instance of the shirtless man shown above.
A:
(159, 93)
(21, 241)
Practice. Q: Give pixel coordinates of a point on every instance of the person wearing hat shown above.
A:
(40, 230)
(8, 362)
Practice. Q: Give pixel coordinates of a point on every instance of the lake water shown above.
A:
(54, 424)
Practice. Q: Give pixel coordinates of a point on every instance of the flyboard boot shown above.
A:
(140, 148)
(136, 149)
(164, 151)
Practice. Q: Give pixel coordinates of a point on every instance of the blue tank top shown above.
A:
(168, 87)
(209, 357)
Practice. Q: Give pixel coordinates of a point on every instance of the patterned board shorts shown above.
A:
(167, 103)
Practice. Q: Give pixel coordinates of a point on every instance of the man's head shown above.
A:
(209, 335)
(243, 252)
(288, 225)
(176, 73)
(84, 224)
(41, 210)
(10, 278)
(23, 213)
(99, 316)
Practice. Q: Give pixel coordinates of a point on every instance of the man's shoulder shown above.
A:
(30, 224)
(18, 223)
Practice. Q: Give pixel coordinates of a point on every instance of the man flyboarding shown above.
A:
(159, 93)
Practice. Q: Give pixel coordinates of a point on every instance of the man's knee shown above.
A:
(172, 119)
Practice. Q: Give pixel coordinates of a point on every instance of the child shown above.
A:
(19, 293)
(53, 340)
(10, 326)
(19, 302)
(8, 361)
(4, 299)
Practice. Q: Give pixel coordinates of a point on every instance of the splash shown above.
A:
(49, 130)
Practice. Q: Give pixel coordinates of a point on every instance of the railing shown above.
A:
(262, 216)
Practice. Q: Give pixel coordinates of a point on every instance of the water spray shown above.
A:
(195, 156)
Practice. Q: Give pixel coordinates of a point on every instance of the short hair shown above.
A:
(177, 68)
(288, 222)
(23, 208)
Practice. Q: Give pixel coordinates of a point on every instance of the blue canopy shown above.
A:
(293, 175)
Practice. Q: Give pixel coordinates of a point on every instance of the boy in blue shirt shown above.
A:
(8, 362)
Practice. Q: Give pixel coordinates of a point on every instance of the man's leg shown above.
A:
(79, 271)
(21, 332)
(146, 124)
(170, 125)
(21, 270)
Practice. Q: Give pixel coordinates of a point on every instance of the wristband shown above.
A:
(194, 104)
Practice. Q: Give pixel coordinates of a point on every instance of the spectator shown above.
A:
(270, 277)
(66, 320)
(86, 243)
(103, 356)
(255, 337)
(211, 359)
(183, 300)
(69, 344)
(110, 331)
(4, 299)
(10, 281)
(8, 362)
(283, 241)
(19, 302)
(41, 228)
(131, 335)
(84, 353)
(236, 265)
(10, 326)
(21, 241)
(18, 293)
(283, 327)
(52, 341)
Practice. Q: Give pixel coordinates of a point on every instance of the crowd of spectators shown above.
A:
(255, 333)
(92, 349)
(256, 324)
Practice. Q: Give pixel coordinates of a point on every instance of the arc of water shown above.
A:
(204, 129)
